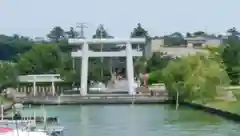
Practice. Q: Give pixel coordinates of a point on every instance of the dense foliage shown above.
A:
(231, 58)
(42, 58)
(52, 56)
(8, 74)
(194, 77)
(198, 76)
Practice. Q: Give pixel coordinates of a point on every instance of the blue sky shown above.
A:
(159, 17)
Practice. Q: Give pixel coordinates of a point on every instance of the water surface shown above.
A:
(138, 120)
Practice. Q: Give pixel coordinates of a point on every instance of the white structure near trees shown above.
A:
(85, 53)
(52, 78)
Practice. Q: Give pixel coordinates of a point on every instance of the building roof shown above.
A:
(181, 51)
(157, 37)
(40, 78)
(201, 38)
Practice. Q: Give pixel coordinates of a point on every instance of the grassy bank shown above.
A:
(233, 107)
(225, 104)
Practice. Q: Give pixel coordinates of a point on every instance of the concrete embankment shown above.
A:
(6, 107)
(224, 114)
(92, 99)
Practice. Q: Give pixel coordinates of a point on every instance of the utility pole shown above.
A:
(82, 26)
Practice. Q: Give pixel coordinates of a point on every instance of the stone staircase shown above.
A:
(118, 85)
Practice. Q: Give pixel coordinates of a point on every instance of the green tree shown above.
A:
(155, 65)
(233, 31)
(98, 71)
(65, 69)
(41, 59)
(139, 31)
(10, 46)
(99, 67)
(215, 53)
(56, 34)
(194, 77)
(72, 33)
(101, 32)
(8, 75)
(231, 57)
(155, 77)
(158, 61)
(140, 65)
(188, 34)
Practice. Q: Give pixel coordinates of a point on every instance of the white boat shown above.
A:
(16, 127)
(27, 128)
(19, 132)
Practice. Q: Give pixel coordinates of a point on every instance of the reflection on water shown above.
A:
(138, 120)
(189, 116)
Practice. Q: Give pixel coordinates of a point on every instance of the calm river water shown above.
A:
(138, 120)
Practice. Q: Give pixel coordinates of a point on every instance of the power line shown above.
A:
(82, 26)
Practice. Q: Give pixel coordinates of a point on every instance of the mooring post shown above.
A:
(59, 100)
(34, 117)
(177, 100)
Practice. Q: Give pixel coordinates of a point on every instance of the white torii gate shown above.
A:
(85, 53)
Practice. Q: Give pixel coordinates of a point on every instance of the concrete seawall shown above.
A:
(224, 114)
(6, 107)
(64, 100)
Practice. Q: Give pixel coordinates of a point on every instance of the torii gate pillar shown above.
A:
(85, 53)
(84, 69)
(130, 67)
